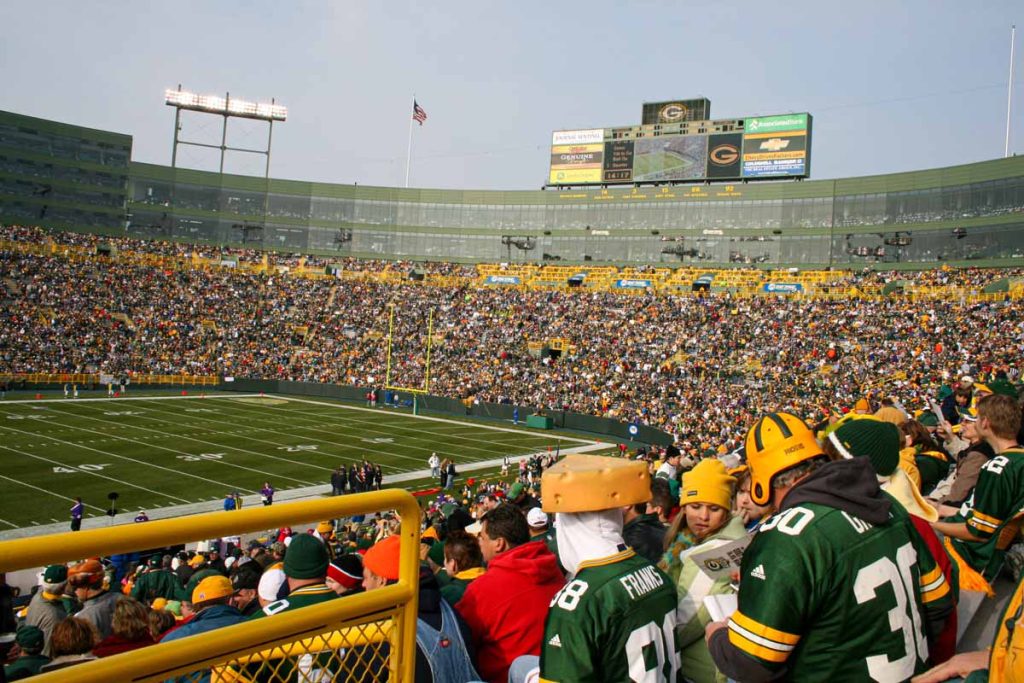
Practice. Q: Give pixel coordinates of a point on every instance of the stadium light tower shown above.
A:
(227, 108)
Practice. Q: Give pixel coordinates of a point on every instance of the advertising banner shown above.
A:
(670, 157)
(724, 152)
(632, 284)
(783, 287)
(618, 161)
(577, 163)
(776, 146)
(577, 137)
(501, 280)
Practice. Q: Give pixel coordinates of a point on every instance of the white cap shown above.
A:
(536, 518)
(270, 584)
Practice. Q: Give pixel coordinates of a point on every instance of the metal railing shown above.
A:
(330, 636)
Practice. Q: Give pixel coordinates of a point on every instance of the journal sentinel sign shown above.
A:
(632, 284)
(783, 288)
(501, 280)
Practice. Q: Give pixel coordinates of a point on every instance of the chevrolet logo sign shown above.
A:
(774, 144)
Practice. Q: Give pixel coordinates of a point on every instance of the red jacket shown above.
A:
(505, 608)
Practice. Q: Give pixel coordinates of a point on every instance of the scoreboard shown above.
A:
(761, 147)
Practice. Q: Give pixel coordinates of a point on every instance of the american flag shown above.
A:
(418, 113)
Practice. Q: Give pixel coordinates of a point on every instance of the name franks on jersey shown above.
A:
(859, 525)
(642, 581)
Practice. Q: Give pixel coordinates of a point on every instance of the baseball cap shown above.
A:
(270, 583)
(197, 560)
(247, 576)
(536, 518)
(56, 573)
(212, 588)
(30, 637)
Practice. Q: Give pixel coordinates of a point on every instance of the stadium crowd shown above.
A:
(698, 367)
(594, 568)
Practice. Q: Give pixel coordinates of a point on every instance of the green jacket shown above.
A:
(692, 616)
(158, 583)
(25, 666)
(456, 586)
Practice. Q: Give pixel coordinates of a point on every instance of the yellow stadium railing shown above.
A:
(273, 648)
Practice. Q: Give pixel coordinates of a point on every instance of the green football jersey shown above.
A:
(831, 597)
(616, 621)
(997, 498)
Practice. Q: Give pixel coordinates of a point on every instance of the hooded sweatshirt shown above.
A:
(505, 607)
(805, 612)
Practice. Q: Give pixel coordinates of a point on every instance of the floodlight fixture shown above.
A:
(214, 104)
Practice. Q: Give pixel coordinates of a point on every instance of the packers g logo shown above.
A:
(672, 112)
(724, 155)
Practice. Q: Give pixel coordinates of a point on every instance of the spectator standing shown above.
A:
(87, 578)
(519, 496)
(157, 581)
(229, 502)
(76, 514)
(435, 465)
(46, 608)
(141, 517)
(267, 494)
(505, 607)
(643, 531)
(540, 529)
(616, 603)
(810, 605)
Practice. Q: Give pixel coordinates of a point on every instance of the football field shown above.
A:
(162, 451)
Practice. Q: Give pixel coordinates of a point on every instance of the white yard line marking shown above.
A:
(94, 474)
(46, 491)
(140, 462)
(15, 526)
(208, 443)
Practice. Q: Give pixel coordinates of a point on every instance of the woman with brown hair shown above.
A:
(130, 629)
(71, 642)
(932, 462)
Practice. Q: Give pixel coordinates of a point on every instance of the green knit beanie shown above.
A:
(306, 558)
(874, 439)
(436, 553)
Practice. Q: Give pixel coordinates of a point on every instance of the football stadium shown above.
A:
(685, 412)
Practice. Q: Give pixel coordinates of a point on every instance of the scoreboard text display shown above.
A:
(767, 147)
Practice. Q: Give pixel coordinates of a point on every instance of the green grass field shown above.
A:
(160, 451)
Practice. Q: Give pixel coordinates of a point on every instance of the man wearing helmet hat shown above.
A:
(87, 579)
(837, 585)
(615, 620)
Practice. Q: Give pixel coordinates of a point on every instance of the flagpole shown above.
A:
(1009, 92)
(408, 152)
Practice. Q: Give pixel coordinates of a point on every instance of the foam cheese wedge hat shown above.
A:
(587, 483)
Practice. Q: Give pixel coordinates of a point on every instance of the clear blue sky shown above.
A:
(893, 86)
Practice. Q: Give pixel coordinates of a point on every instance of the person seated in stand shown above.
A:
(31, 659)
(463, 562)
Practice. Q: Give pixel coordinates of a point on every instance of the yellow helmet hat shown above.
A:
(776, 443)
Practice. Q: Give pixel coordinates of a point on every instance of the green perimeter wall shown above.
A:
(450, 406)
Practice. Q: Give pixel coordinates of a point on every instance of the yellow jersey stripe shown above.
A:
(935, 594)
(759, 629)
(752, 648)
(931, 576)
(986, 518)
(617, 557)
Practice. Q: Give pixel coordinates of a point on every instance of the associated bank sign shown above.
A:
(783, 287)
(632, 284)
(501, 280)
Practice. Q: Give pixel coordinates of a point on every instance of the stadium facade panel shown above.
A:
(972, 213)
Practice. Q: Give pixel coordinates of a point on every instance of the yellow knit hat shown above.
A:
(708, 482)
